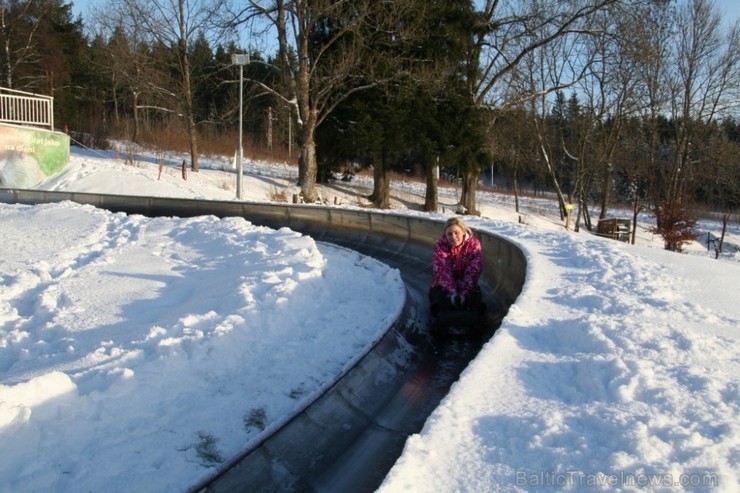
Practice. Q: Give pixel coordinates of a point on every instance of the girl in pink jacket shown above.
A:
(456, 269)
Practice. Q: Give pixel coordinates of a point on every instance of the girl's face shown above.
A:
(455, 235)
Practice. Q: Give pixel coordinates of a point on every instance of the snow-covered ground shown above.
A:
(137, 353)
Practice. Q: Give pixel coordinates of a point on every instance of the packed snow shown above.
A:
(138, 353)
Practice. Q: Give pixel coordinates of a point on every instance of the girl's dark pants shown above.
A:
(439, 300)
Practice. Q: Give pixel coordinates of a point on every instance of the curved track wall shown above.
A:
(347, 439)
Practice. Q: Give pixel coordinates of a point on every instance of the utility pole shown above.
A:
(240, 59)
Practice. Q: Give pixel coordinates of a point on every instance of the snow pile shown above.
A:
(141, 352)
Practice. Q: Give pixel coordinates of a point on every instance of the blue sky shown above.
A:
(729, 8)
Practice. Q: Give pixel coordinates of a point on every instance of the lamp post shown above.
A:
(240, 59)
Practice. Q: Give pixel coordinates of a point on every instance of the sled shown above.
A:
(458, 318)
(467, 323)
(457, 323)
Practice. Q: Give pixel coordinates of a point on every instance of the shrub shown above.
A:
(675, 224)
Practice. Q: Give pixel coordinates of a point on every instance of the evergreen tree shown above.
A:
(43, 51)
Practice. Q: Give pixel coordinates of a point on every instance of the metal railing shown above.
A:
(26, 108)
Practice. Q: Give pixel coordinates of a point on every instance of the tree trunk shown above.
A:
(380, 196)
(188, 90)
(136, 116)
(636, 207)
(381, 186)
(555, 183)
(114, 93)
(586, 214)
(725, 220)
(470, 180)
(431, 199)
(606, 191)
(516, 186)
(194, 166)
(307, 166)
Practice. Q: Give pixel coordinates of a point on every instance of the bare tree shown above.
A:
(329, 41)
(128, 64)
(22, 24)
(609, 90)
(173, 24)
(705, 68)
(17, 46)
(554, 67)
(650, 28)
(509, 34)
(702, 73)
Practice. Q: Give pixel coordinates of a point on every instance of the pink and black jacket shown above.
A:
(457, 270)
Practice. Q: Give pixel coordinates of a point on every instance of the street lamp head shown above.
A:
(239, 58)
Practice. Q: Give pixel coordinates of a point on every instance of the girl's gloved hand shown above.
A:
(457, 300)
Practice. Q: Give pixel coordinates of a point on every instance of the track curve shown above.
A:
(350, 437)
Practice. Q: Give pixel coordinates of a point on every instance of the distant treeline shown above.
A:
(599, 100)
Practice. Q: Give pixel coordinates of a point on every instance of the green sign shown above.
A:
(30, 155)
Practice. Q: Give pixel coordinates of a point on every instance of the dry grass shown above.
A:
(226, 183)
(278, 195)
(210, 143)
